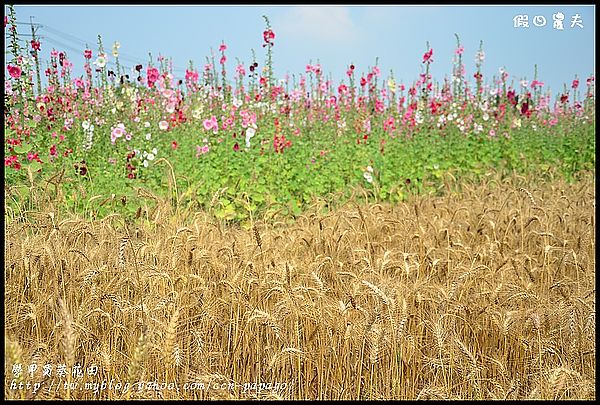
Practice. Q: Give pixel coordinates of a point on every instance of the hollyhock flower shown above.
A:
(427, 56)
(174, 145)
(222, 48)
(101, 61)
(479, 57)
(268, 36)
(575, 84)
(35, 45)
(87, 54)
(459, 50)
(240, 70)
(201, 150)
(250, 132)
(153, 75)
(14, 71)
(117, 132)
(115, 50)
(211, 124)
(536, 83)
(78, 83)
(163, 125)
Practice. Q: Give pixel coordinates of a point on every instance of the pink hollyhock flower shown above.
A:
(117, 132)
(87, 54)
(222, 48)
(174, 145)
(240, 70)
(460, 50)
(575, 84)
(201, 150)
(211, 124)
(427, 56)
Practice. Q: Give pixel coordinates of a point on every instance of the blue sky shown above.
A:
(333, 35)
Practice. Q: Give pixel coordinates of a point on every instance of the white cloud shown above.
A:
(322, 23)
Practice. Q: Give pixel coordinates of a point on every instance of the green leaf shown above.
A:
(35, 166)
(22, 149)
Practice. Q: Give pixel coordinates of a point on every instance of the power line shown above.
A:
(74, 39)
(26, 23)
(122, 55)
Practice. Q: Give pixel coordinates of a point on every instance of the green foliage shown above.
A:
(235, 185)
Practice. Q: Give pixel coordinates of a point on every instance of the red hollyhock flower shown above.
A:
(268, 36)
(14, 71)
(35, 45)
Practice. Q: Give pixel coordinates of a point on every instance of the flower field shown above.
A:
(371, 238)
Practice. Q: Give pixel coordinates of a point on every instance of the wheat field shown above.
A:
(487, 292)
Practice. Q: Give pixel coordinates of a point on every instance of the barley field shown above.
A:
(486, 292)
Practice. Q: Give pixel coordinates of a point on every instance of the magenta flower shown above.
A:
(152, 74)
(427, 56)
(460, 50)
(14, 71)
(87, 54)
(222, 48)
(268, 36)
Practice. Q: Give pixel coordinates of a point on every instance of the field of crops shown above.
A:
(243, 236)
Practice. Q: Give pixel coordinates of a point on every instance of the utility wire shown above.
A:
(122, 55)
(72, 38)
